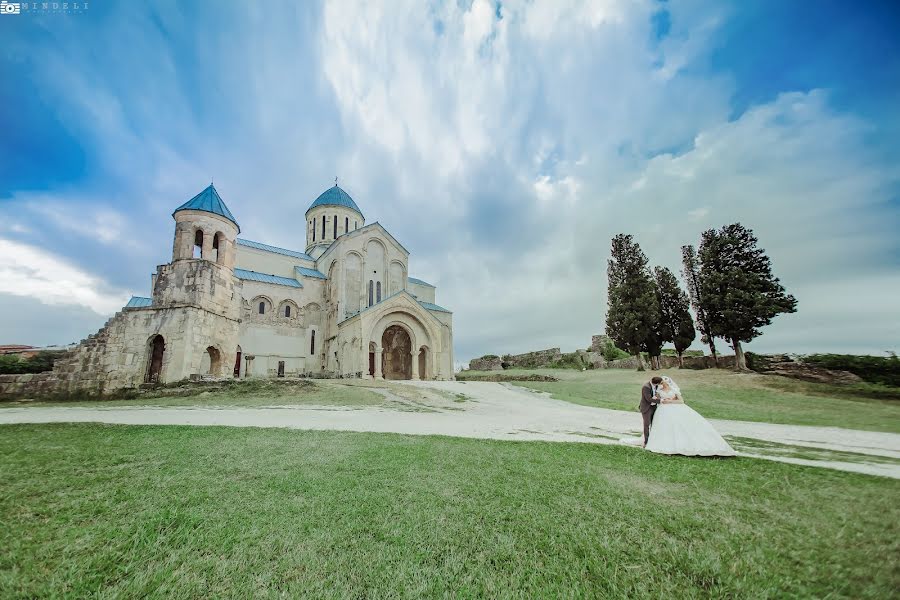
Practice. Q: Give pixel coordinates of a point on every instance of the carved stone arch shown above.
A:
(429, 325)
(420, 332)
(294, 310)
(397, 341)
(397, 277)
(375, 240)
(376, 260)
(254, 306)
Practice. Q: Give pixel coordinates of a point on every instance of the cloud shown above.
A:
(33, 273)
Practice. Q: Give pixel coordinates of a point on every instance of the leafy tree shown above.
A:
(632, 304)
(677, 324)
(738, 290)
(691, 274)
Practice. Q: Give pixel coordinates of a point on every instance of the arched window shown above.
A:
(198, 244)
(262, 308)
(287, 310)
(378, 293)
(323, 227)
(313, 225)
(346, 224)
(355, 225)
(371, 298)
(218, 255)
(335, 227)
(312, 342)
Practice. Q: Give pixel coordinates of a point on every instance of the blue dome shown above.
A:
(209, 201)
(335, 196)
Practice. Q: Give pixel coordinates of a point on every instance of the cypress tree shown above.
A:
(632, 304)
(739, 292)
(691, 274)
(677, 324)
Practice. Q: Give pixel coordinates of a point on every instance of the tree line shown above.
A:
(730, 286)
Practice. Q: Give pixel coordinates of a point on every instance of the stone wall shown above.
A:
(531, 360)
(486, 363)
(592, 359)
(625, 363)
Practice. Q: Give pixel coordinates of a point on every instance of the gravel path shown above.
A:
(502, 411)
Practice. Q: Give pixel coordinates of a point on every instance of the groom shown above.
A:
(649, 402)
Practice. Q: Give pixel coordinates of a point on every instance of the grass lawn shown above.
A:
(723, 394)
(219, 512)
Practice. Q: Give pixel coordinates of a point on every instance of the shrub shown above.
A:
(610, 352)
(14, 364)
(873, 369)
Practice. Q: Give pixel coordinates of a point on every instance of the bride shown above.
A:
(679, 429)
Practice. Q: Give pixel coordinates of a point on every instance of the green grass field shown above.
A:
(123, 511)
(723, 394)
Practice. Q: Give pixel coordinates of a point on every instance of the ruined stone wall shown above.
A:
(532, 360)
(118, 355)
(625, 363)
(486, 363)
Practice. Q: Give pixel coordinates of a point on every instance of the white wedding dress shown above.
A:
(679, 429)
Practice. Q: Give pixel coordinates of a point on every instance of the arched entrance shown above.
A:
(157, 352)
(397, 353)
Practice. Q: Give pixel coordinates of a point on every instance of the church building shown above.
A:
(226, 306)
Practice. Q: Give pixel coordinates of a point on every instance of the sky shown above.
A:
(503, 143)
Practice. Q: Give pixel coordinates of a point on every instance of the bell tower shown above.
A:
(201, 273)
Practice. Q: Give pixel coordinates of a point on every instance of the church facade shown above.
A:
(225, 306)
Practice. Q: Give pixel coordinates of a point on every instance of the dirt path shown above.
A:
(501, 411)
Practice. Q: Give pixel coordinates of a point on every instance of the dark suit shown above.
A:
(647, 408)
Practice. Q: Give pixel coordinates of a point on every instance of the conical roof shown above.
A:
(209, 201)
(334, 196)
